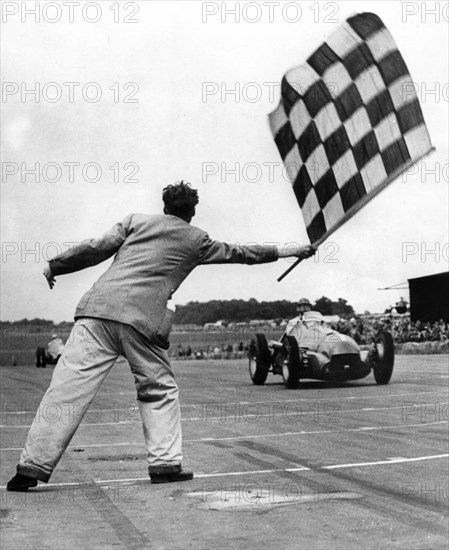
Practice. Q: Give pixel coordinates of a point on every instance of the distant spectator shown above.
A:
(403, 330)
(228, 351)
(235, 350)
(401, 306)
(354, 331)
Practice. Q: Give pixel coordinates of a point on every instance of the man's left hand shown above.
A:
(50, 277)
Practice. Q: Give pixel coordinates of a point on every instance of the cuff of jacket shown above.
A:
(272, 253)
(55, 267)
(60, 266)
(259, 254)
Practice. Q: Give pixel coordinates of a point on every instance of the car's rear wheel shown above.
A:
(291, 362)
(259, 359)
(383, 358)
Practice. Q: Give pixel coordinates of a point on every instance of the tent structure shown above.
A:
(429, 298)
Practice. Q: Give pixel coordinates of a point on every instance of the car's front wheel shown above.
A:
(291, 362)
(383, 358)
(259, 359)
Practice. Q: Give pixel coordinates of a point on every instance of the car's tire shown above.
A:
(383, 360)
(291, 364)
(259, 359)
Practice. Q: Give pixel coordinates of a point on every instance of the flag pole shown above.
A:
(299, 260)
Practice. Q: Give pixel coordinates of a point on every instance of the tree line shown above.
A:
(199, 313)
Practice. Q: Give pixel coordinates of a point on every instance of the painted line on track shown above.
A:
(259, 402)
(315, 432)
(222, 419)
(259, 436)
(253, 472)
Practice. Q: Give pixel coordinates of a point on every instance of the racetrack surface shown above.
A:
(348, 465)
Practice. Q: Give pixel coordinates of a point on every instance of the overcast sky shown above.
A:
(151, 102)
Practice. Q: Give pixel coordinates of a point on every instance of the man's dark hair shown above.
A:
(179, 199)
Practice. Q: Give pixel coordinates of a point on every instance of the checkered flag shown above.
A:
(348, 123)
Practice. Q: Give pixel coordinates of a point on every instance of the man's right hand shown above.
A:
(296, 251)
(307, 251)
(50, 277)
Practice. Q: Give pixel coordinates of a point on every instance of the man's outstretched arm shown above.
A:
(88, 253)
(216, 252)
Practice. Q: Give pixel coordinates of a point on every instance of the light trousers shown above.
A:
(92, 349)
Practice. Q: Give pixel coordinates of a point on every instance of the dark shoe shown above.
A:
(21, 483)
(168, 474)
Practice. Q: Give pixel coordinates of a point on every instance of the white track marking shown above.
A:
(254, 472)
(223, 419)
(317, 432)
(258, 402)
(72, 447)
(398, 460)
(137, 422)
(261, 436)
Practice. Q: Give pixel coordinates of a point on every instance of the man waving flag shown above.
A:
(348, 123)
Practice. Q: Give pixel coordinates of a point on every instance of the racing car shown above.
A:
(309, 349)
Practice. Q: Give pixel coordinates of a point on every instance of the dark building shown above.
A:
(429, 298)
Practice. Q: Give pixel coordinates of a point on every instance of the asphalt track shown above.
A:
(345, 466)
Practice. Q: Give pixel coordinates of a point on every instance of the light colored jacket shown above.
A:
(153, 256)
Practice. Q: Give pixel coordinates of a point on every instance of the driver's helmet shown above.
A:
(304, 305)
